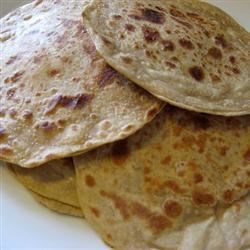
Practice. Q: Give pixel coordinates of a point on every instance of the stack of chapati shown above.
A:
(87, 122)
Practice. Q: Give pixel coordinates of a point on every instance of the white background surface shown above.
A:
(27, 225)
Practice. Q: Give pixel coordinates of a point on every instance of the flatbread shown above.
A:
(173, 173)
(186, 52)
(58, 96)
(54, 180)
(58, 206)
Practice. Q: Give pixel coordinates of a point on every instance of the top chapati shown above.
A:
(58, 96)
(188, 53)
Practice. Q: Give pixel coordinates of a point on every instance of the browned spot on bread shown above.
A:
(2, 132)
(152, 113)
(27, 115)
(127, 60)
(150, 15)
(223, 150)
(156, 222)
(14, 78)
(5, 150)
(90, 181)
(186, 44)
(159, 223)
(198, 178)
(215, 78)
(120, 152)
(170, 65)
(119, 203)
(153, 16)
(197, 73)
(95, 211)
(130, 27)
(228, 196)
(236, 71)
(166, 160)
(247, 155)
(106, 41)
(168, 45)
(186, 24)
(10, 93)
(176, 13)
(232, 59)
(151, 35)
(106, 76)
(174, 187)
(172, 208)
(215, 53)
(117, 17)
(53, 72)
(73, 102)
(11, 60)
(202, 198)
(220, 40)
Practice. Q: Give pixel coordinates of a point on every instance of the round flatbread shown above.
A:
(58, 96)
(58, 206)
(54, 180)
(173, 173)
(186, 52)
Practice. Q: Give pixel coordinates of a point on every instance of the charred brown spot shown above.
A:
(168, 45)
(232, 59)
(73, 102)
(197, 73)
(119, 203)
(2, 132)
(172, 209)
(215, 78)
(176, 13)
(220, 40)
(120, 152)
(130, 27)
(174, 187)
(186, 24)
(228, 196)
(106, 41)
(223, 150)
(53, 72)
(166, 160)
(186, 44)
(117, 17)
(10, 93)
(17, 76)
(153, 16)
(198, 178)
(156, 222)
(127, 60)
(37, 2)
(27, 115)
(90, 181)
(106, 77)
(215, 53)
(236, 71)
(170, 65)
(150, 35)
(247, 155)
(150, 15)
(11, 60)
(200, 198)
(95, 211)
(5, 150)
